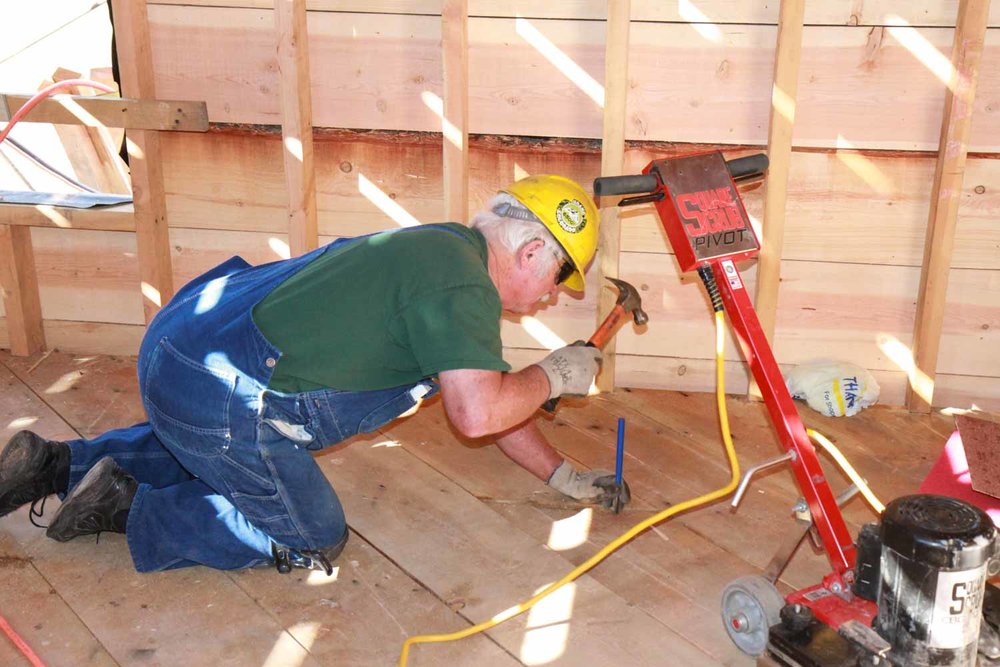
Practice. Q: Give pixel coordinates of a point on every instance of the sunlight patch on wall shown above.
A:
(73, 107)
(54, 216)
(865, 169)
(699, 21)
(385, 203)
(783, 104)
(576, 74)
(293, 147)
(450, 131)
(902, 356)
(925, 52)
(133, 150)
(279, 247)
(541, 333)
(151, 293)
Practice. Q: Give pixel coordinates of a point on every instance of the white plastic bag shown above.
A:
(834, 388)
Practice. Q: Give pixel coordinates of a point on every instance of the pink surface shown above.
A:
(950, 477)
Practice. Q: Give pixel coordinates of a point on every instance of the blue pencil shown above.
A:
(620, 454)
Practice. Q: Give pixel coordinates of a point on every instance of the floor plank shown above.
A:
(476, 560)
(345, 623)
(134, 617)
(448, 533)
(654, 571)
(362, 614)
(40, 616)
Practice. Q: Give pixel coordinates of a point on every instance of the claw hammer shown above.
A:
(629, 303)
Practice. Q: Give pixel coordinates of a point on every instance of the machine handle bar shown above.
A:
(625, 185)
(748, 166)
(741, 169)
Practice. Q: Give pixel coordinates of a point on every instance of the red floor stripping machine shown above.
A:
(912, 589)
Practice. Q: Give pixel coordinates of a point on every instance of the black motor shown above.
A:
(935, 555)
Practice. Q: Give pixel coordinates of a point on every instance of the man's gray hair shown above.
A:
(506, 221)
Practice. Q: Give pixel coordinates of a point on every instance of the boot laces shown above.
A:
(33, 512)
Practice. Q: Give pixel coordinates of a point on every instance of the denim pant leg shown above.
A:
(275, 494)
(136, 449)
(190, 524)
(309, 514)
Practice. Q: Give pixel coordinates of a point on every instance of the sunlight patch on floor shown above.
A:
(548, 627)
(570, 532)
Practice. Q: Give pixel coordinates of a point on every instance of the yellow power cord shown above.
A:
(625, 537)
(720, 394)
(848, 469)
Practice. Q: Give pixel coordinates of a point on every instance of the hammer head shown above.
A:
(629, 299)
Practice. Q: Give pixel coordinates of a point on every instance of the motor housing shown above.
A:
(935, 555)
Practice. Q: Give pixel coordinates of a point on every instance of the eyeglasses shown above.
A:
(565, 271)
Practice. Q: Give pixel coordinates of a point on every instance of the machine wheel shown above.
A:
(750, 606)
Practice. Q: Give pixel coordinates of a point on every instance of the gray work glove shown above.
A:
(596, 485)
(571, 369)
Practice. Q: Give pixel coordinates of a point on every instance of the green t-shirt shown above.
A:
(384, 311)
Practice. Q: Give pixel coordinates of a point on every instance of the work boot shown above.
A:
(31, 468)
(310, 559)
(99, 503)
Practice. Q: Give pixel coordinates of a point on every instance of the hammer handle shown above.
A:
(608, 327)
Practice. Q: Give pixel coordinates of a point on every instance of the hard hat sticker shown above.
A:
(571, 215)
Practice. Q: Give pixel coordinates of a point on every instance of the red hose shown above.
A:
(20, 644)
(45, 92)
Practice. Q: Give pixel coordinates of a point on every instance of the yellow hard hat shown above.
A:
(568, 212)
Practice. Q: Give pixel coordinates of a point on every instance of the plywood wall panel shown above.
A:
(698, 375)
(965, 391)
(87, 337)
(829, 12)
(829, 310)
(970, 333)
(351, 176)
(843, 207)
(859, 86)
(862, 208)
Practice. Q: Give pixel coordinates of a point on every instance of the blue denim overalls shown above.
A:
(224, 465)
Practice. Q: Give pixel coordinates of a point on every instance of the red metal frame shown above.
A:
(708, 174)
(826, 515)
(833, 609)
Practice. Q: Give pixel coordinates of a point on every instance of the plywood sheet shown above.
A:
(684, 85)
(838, 12)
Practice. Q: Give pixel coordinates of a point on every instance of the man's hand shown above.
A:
(571, 369)
(596, 485)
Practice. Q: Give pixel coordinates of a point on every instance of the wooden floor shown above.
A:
(444, 534)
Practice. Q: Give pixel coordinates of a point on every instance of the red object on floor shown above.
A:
(950, 477)
(21, 645)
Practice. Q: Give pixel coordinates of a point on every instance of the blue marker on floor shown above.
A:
(620, 454)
